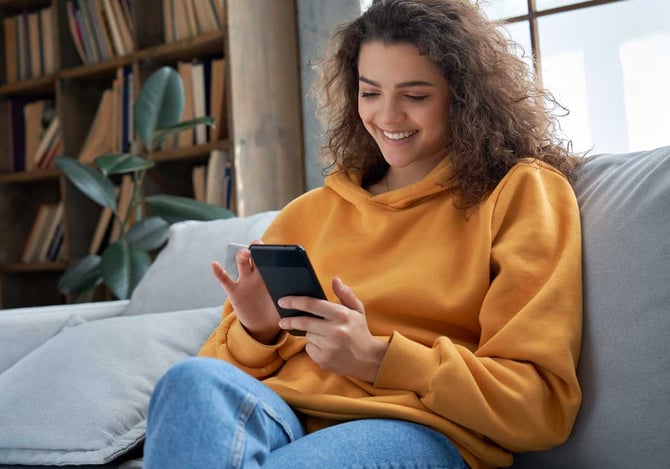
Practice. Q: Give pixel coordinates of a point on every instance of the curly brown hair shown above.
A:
(497, 113)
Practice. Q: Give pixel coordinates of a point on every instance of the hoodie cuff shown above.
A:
(407, 365)
(248, 351)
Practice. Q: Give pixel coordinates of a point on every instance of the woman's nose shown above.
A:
(392, 112)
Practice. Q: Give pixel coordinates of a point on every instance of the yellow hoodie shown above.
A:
(483, 311)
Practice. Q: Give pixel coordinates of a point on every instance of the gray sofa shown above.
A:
(75, 380)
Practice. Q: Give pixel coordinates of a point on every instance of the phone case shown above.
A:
(286, 270)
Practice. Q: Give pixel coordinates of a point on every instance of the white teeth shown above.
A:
(399, 135)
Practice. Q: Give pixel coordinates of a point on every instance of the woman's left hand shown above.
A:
(340, 342)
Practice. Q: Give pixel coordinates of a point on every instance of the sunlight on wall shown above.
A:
(646, 78)
(564, 73)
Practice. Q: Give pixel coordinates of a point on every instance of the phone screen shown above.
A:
(286, 270)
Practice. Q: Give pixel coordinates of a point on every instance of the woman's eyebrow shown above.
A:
(405, 84)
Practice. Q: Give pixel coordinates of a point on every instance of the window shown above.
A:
(606, 61)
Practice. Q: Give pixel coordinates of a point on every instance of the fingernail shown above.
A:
(282, 302)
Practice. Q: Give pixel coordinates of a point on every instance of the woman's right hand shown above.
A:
(249, 297)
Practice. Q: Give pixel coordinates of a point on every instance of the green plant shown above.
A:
(123, 263)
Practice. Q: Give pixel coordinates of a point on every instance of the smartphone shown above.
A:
(286, 270)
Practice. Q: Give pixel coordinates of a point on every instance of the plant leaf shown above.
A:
(160, 103)
(83, 275)
(149, 233)
(174, 208)
(122, 267)
(91, 182)
(160, 135)
(121, 163)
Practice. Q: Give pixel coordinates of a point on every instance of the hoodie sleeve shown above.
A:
(231, 342)
(519, 386)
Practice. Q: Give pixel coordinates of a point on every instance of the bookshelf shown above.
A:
(262, 135)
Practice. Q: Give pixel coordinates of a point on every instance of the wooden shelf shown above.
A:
(195, 152)
(262, 124)
(29, 176)
(34, 87)
(202, 45)
(18, 267)
(97, 68)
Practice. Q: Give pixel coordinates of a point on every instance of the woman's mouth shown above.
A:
(399, 135)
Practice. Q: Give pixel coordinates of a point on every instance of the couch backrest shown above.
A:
(624, 369)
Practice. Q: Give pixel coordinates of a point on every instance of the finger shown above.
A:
(309, 324)
(244, 264)
(347, 296)
(308, 304)
(221, 275)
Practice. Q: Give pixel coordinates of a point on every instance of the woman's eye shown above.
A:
(417, 98)
(368, 94)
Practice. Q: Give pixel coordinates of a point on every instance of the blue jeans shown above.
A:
(206, 413)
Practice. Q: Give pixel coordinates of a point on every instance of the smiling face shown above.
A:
(403, 103)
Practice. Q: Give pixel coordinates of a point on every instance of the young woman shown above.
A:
(448, 237)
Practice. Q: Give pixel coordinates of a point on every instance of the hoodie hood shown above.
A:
(347, 184)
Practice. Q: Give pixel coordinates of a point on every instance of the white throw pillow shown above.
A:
(82, 396)
(181, 277)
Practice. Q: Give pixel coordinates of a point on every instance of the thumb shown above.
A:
(347, 296)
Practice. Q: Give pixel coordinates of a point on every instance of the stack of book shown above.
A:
(45, 239)
(188, 18)
(112, 128)
(29, 44)
(101, 29)
(213, 183)
(33, 135)
(204, 95)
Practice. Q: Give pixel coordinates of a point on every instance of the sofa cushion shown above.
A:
(24, 329)
(181, 277)
(81, 397)
(624, 368)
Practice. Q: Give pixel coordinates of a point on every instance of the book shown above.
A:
(54, 251)
(220, 12)
(124, 28)
(100, 137)
(47, 41)
(217, 98)
(125, 8)
(168, 21)
(35, 234)
(193, 29)
(207, 16)
(199, 177)
(199, 100)
(181, 26)
(88, 34)
(42, 155)
(17, 140)
(51, 226)
(218, 178)
(11, 50)
(23, 47)
(75, 32)
(34, 44)
(185, 137)
(102, 229)
(32, 116)
(100, 27)
(125, 199)
(114, 28)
